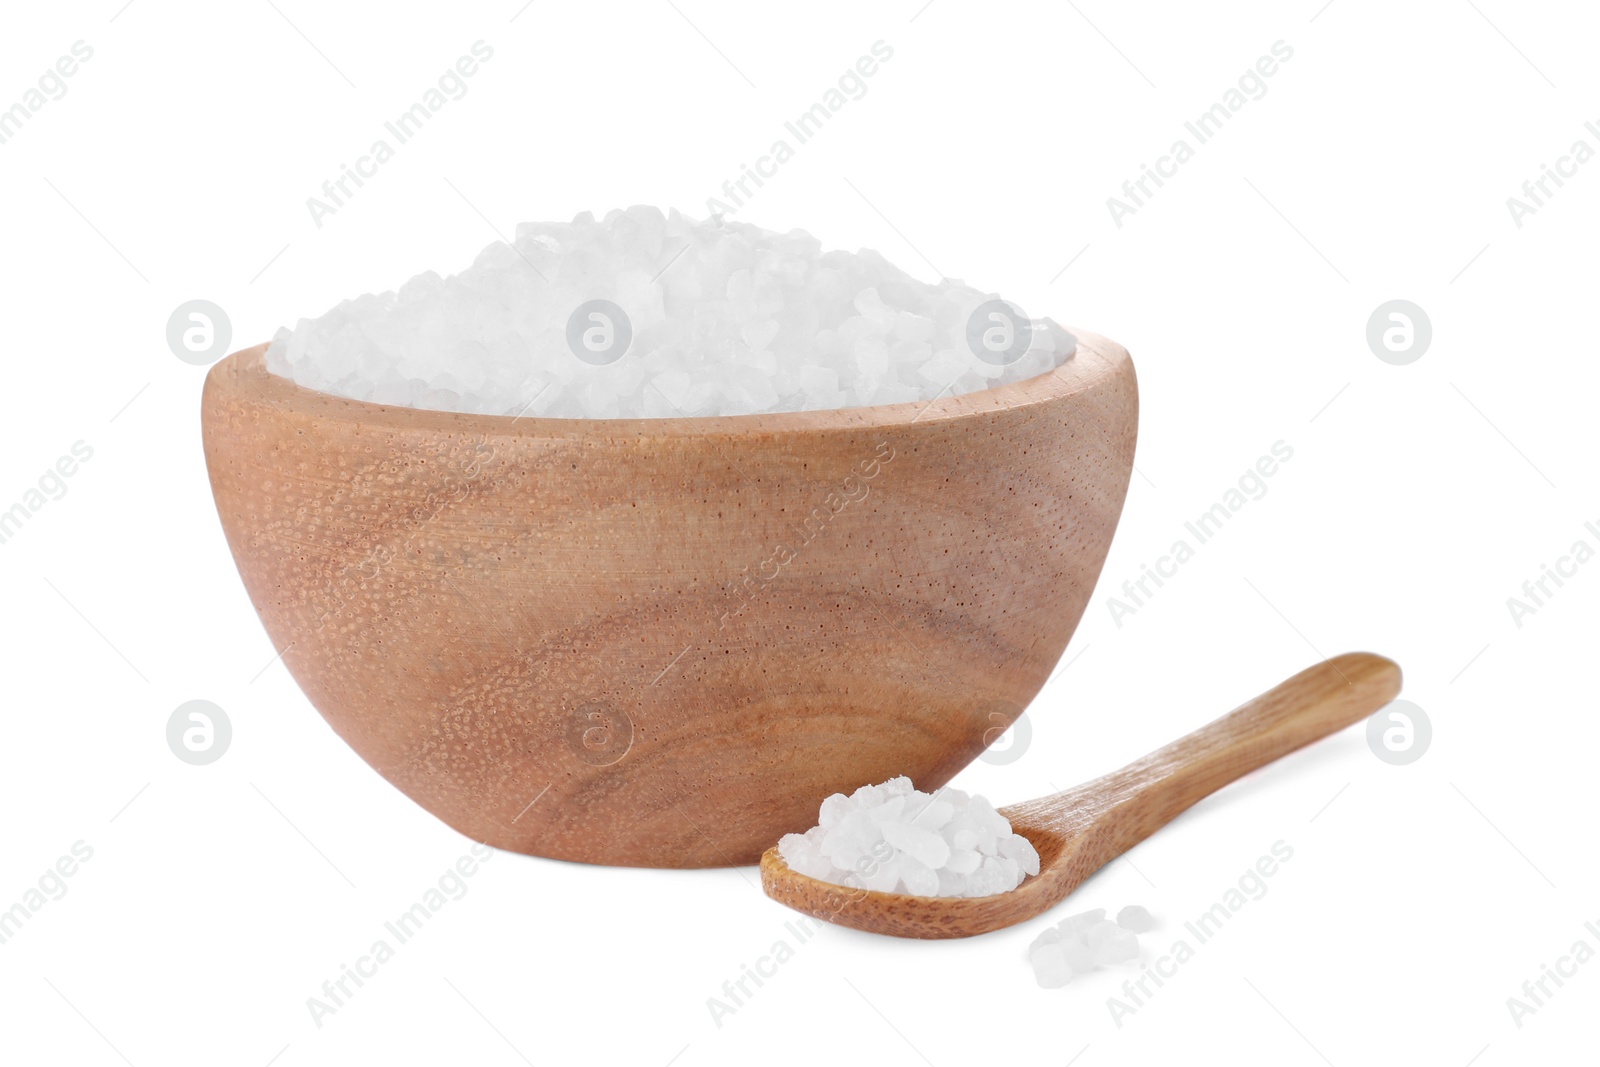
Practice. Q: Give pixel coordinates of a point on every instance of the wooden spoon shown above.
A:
(1080, 830)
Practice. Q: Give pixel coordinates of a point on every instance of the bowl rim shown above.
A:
(1095, 360)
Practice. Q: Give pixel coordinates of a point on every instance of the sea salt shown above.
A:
(653, 315)
(1080, 943)
(893, 838)
(1110, 943)
(1050, 966)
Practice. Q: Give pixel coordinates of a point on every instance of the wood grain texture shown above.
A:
(662, 642)
(1081, 830)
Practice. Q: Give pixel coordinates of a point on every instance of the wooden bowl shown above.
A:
(662, 642)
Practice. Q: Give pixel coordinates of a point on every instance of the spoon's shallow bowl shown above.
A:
(661, 642)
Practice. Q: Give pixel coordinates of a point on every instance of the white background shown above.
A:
(1419, 498)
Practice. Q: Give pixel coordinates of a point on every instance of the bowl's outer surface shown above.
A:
(664, 642)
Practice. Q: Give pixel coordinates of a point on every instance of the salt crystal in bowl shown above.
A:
(662, 642)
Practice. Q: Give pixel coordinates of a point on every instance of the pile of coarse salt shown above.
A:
(652, 315)
(1080, 943)
(894, 839)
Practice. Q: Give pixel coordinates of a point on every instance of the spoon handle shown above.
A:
(1125, 807)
